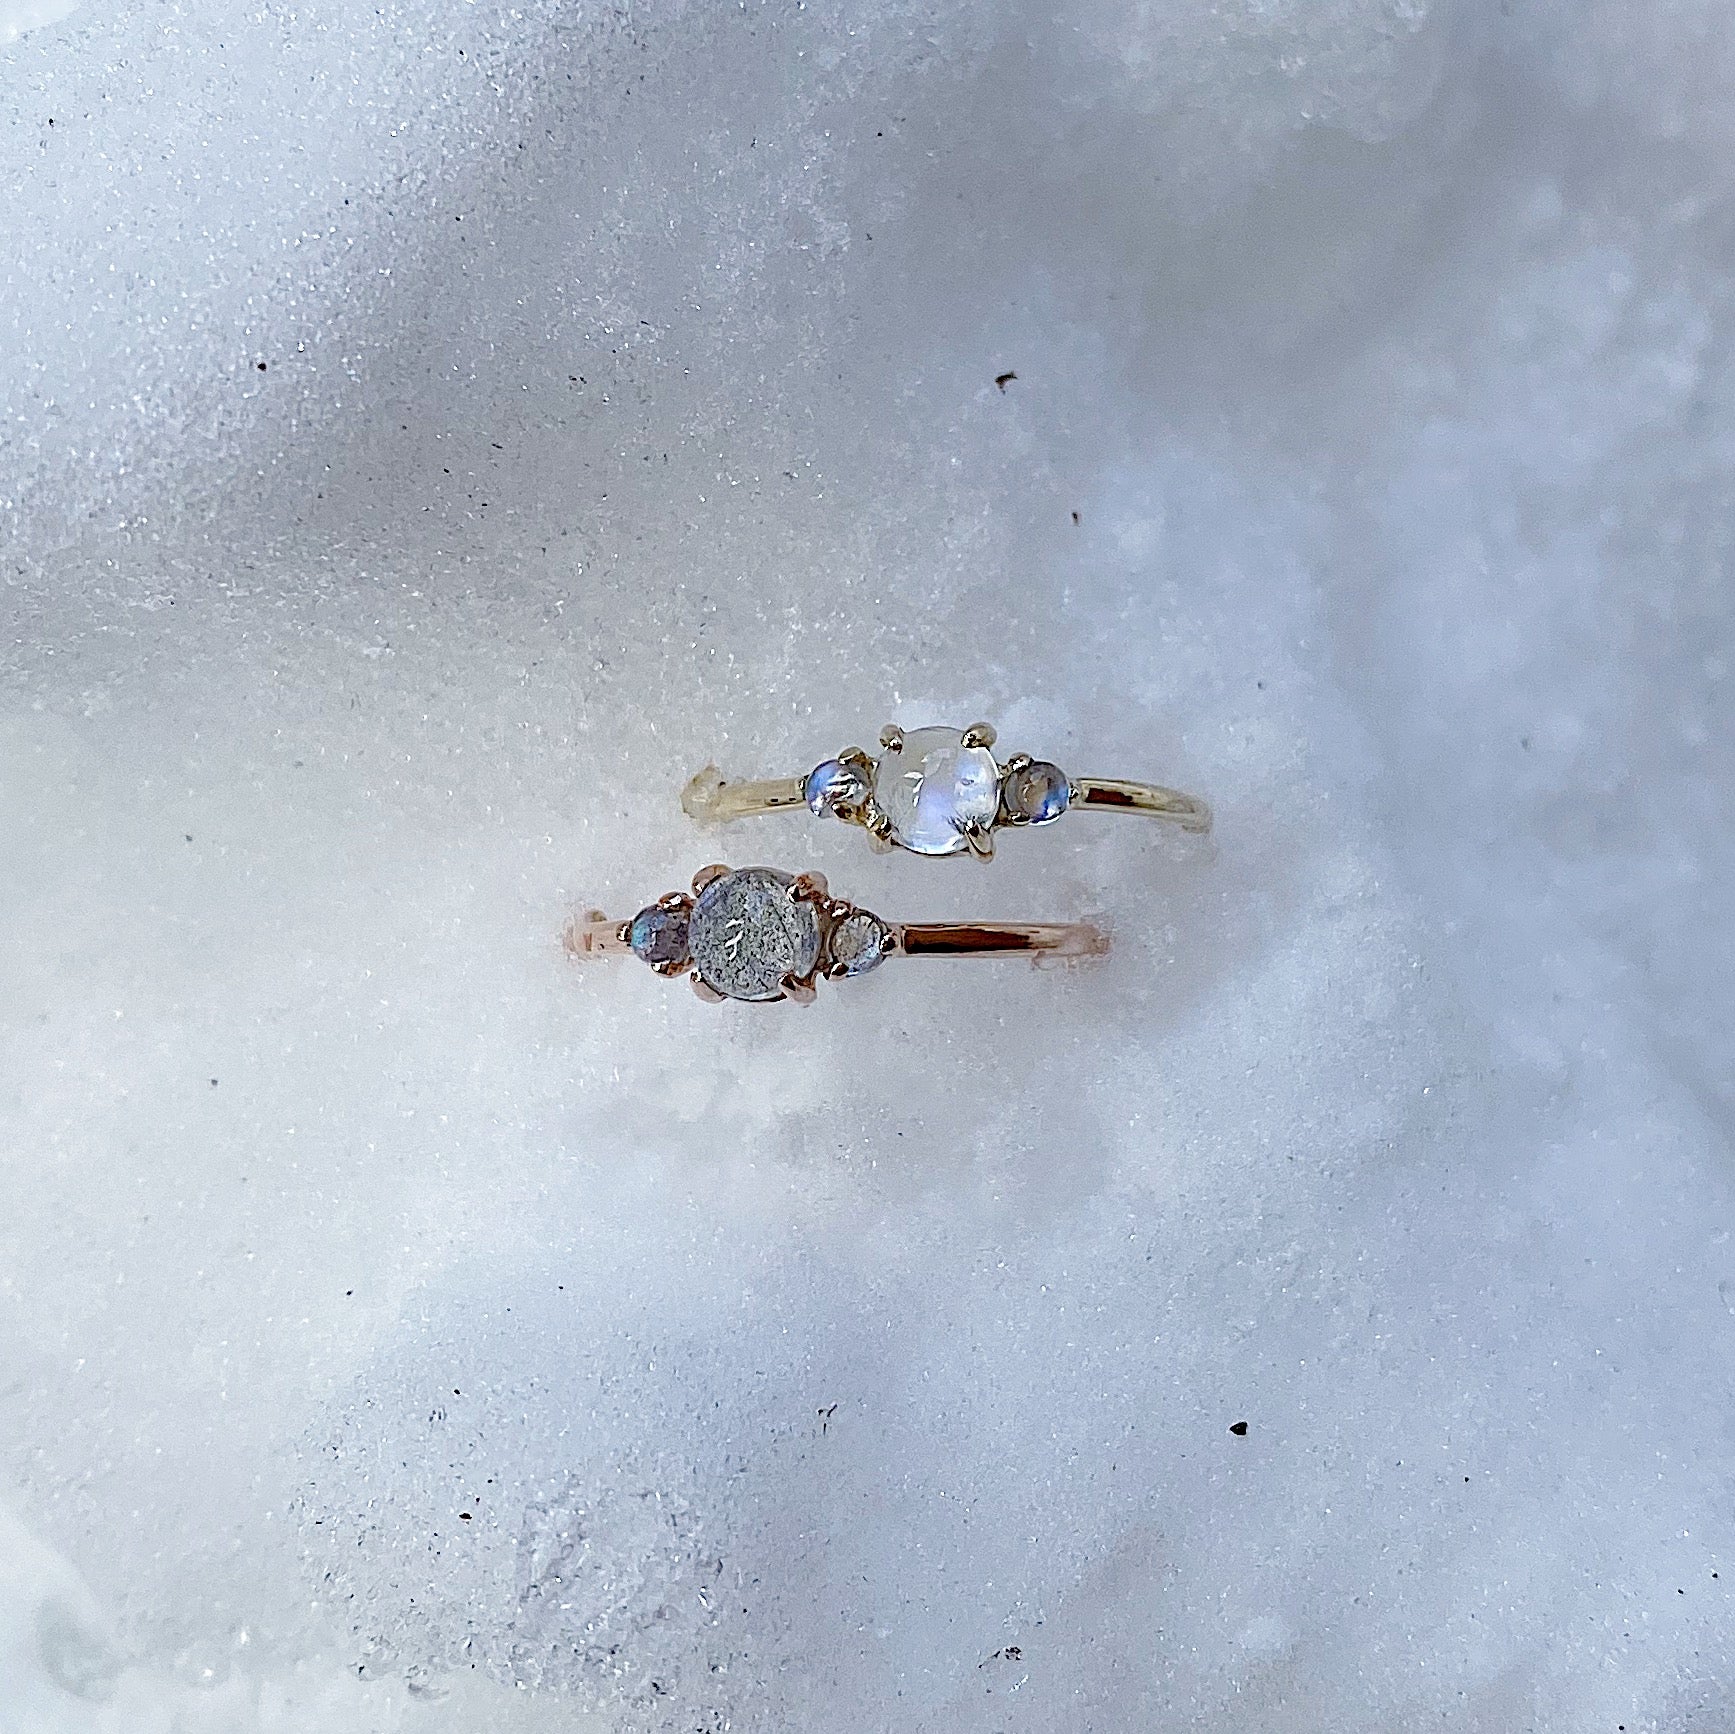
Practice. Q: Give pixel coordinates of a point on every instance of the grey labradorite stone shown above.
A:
(1036, 793)
(859, 942)
(748, 933)
(659, 935)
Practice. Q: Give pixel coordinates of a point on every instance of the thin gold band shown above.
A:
(1187, 811)
(713, 798)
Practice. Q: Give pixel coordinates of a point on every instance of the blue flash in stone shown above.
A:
(659, 935)
(1035, 793)
(832, 785)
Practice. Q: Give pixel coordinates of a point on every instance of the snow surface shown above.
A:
(428, 433)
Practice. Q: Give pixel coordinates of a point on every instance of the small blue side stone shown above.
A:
(1036, 794)
(832, 784)
(659, 935)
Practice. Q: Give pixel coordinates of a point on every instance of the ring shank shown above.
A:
(594, 934)
(1152, 799)
(979, 938)
(712, 800)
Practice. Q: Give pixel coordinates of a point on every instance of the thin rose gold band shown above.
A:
(597, 935)
(975, 938)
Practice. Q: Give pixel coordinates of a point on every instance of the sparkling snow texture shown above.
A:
(429, 433)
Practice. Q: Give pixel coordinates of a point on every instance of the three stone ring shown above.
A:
(753, 933)
(937, 791)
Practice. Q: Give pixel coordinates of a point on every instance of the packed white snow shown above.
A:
(430, 432)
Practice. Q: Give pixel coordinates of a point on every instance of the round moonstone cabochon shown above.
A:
(747, 933)
(933, 787)
(1037, 793)
(832, 785)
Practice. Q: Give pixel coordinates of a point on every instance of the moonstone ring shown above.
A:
(753, 933)
(937, 791)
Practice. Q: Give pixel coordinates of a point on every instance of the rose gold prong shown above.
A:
(892, 738)
(705, 991)
(1018, 762)
(810, 886)
(800, 991)
(838, 908)
(979, 735)
(981, 841)
(673, 900)
(706, 875)
(673, 966)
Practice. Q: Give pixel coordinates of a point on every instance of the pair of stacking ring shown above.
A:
(757, 934)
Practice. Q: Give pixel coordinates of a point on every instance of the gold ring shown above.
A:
(753, 933)
(937, 791)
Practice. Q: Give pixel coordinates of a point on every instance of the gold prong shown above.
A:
(1018, 762)
(860, 758)
(892, 738)
(799, 991)
(707, 875)
(981, 841)
(673, 900)
(705, 991)
(979, 735)
(810, 886)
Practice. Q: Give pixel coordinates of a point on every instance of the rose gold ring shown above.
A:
(754, 933)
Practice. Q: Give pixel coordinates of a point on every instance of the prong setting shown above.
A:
(935, 783)
(980, 734)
